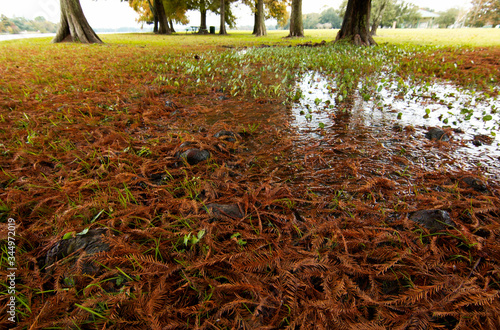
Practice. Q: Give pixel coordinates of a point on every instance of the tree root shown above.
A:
(357, 40)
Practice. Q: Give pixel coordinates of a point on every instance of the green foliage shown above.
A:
(485, 13)
(447, 18)
(310, 21)
(330, 16)
(190, 239)
(327, 19)
(18, 24)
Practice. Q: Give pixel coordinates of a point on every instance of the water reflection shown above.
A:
(316, 116)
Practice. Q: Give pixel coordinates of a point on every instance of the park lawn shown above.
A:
(278, 228)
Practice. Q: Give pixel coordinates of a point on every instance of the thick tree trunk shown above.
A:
(162, 17)
(296, 26)
(260, 22)
(74, 25)
(255, 22)
(222, 29)
(155, 16)
(203, 19)
(355, 26)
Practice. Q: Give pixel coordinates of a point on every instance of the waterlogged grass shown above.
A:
(273, 72)
(89, 136)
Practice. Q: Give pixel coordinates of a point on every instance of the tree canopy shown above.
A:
(447, 18)
(485, 12)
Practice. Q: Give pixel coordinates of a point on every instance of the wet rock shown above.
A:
(437, 134)
(89, 243)
(170, 104)
(195, 156)
(219, 210)
(480, 140)
(434, 220)
(475, 184)
(226, 136)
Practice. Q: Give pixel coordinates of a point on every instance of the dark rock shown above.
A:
(475, 184)
(194, 156)
(170, 104)
(90, 243)
(228, 210)
(437, 134)
(226, 136)
(157, 178)
(480, 140)
(434, 220)
(397, 128)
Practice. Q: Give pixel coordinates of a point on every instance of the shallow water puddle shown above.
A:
(441, 105)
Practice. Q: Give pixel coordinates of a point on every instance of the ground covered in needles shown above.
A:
(186, 182)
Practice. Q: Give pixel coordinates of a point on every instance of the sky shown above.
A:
(115, 14)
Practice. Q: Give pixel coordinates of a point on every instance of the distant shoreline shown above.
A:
(27, 35)
(5, 37)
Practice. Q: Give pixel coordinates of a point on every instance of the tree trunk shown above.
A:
(355, 26)
(155, 16)
(172, 30)
(162, 17)
(255, 22)
(377, 18)
(74, 25)
(222, 29)
(296, 26)
(203, 19)
(260, 22)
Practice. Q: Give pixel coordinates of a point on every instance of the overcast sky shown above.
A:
(114, 14)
